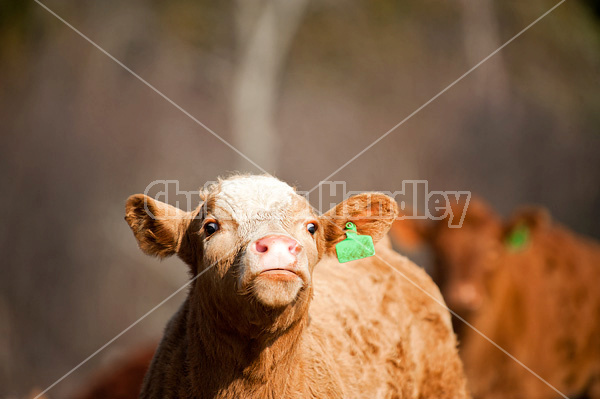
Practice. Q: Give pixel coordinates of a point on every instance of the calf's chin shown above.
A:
(276, 291)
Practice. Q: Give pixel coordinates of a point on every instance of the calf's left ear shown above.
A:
(372, 213)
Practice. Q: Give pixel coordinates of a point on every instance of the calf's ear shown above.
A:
(372, 213)
(158, 227)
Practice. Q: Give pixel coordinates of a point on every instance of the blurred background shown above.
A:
(300, 88)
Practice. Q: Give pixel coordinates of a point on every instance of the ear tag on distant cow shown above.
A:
(355, 246)
(518, 238)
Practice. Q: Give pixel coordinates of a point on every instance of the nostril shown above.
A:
(260, 248)
(294, 248)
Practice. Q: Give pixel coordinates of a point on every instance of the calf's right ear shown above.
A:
(158, 227)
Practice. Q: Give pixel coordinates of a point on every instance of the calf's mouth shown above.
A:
(280, 273)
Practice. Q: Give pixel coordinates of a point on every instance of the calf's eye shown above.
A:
(312, 228)
(211, 228)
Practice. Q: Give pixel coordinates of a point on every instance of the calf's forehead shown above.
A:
(252, 198)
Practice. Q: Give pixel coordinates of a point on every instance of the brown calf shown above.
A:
(272, 314)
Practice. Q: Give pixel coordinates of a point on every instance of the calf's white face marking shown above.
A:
(247, 196)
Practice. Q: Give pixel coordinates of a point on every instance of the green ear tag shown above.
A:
(518, 238)
(355, 246)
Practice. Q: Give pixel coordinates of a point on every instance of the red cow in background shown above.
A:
(531, 286)
(122, 379)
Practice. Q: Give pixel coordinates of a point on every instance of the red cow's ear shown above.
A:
(534, 217)
(372, 213)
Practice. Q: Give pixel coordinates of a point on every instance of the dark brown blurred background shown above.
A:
(300, 88)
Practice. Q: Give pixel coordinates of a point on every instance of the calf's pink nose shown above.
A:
(276, 250)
